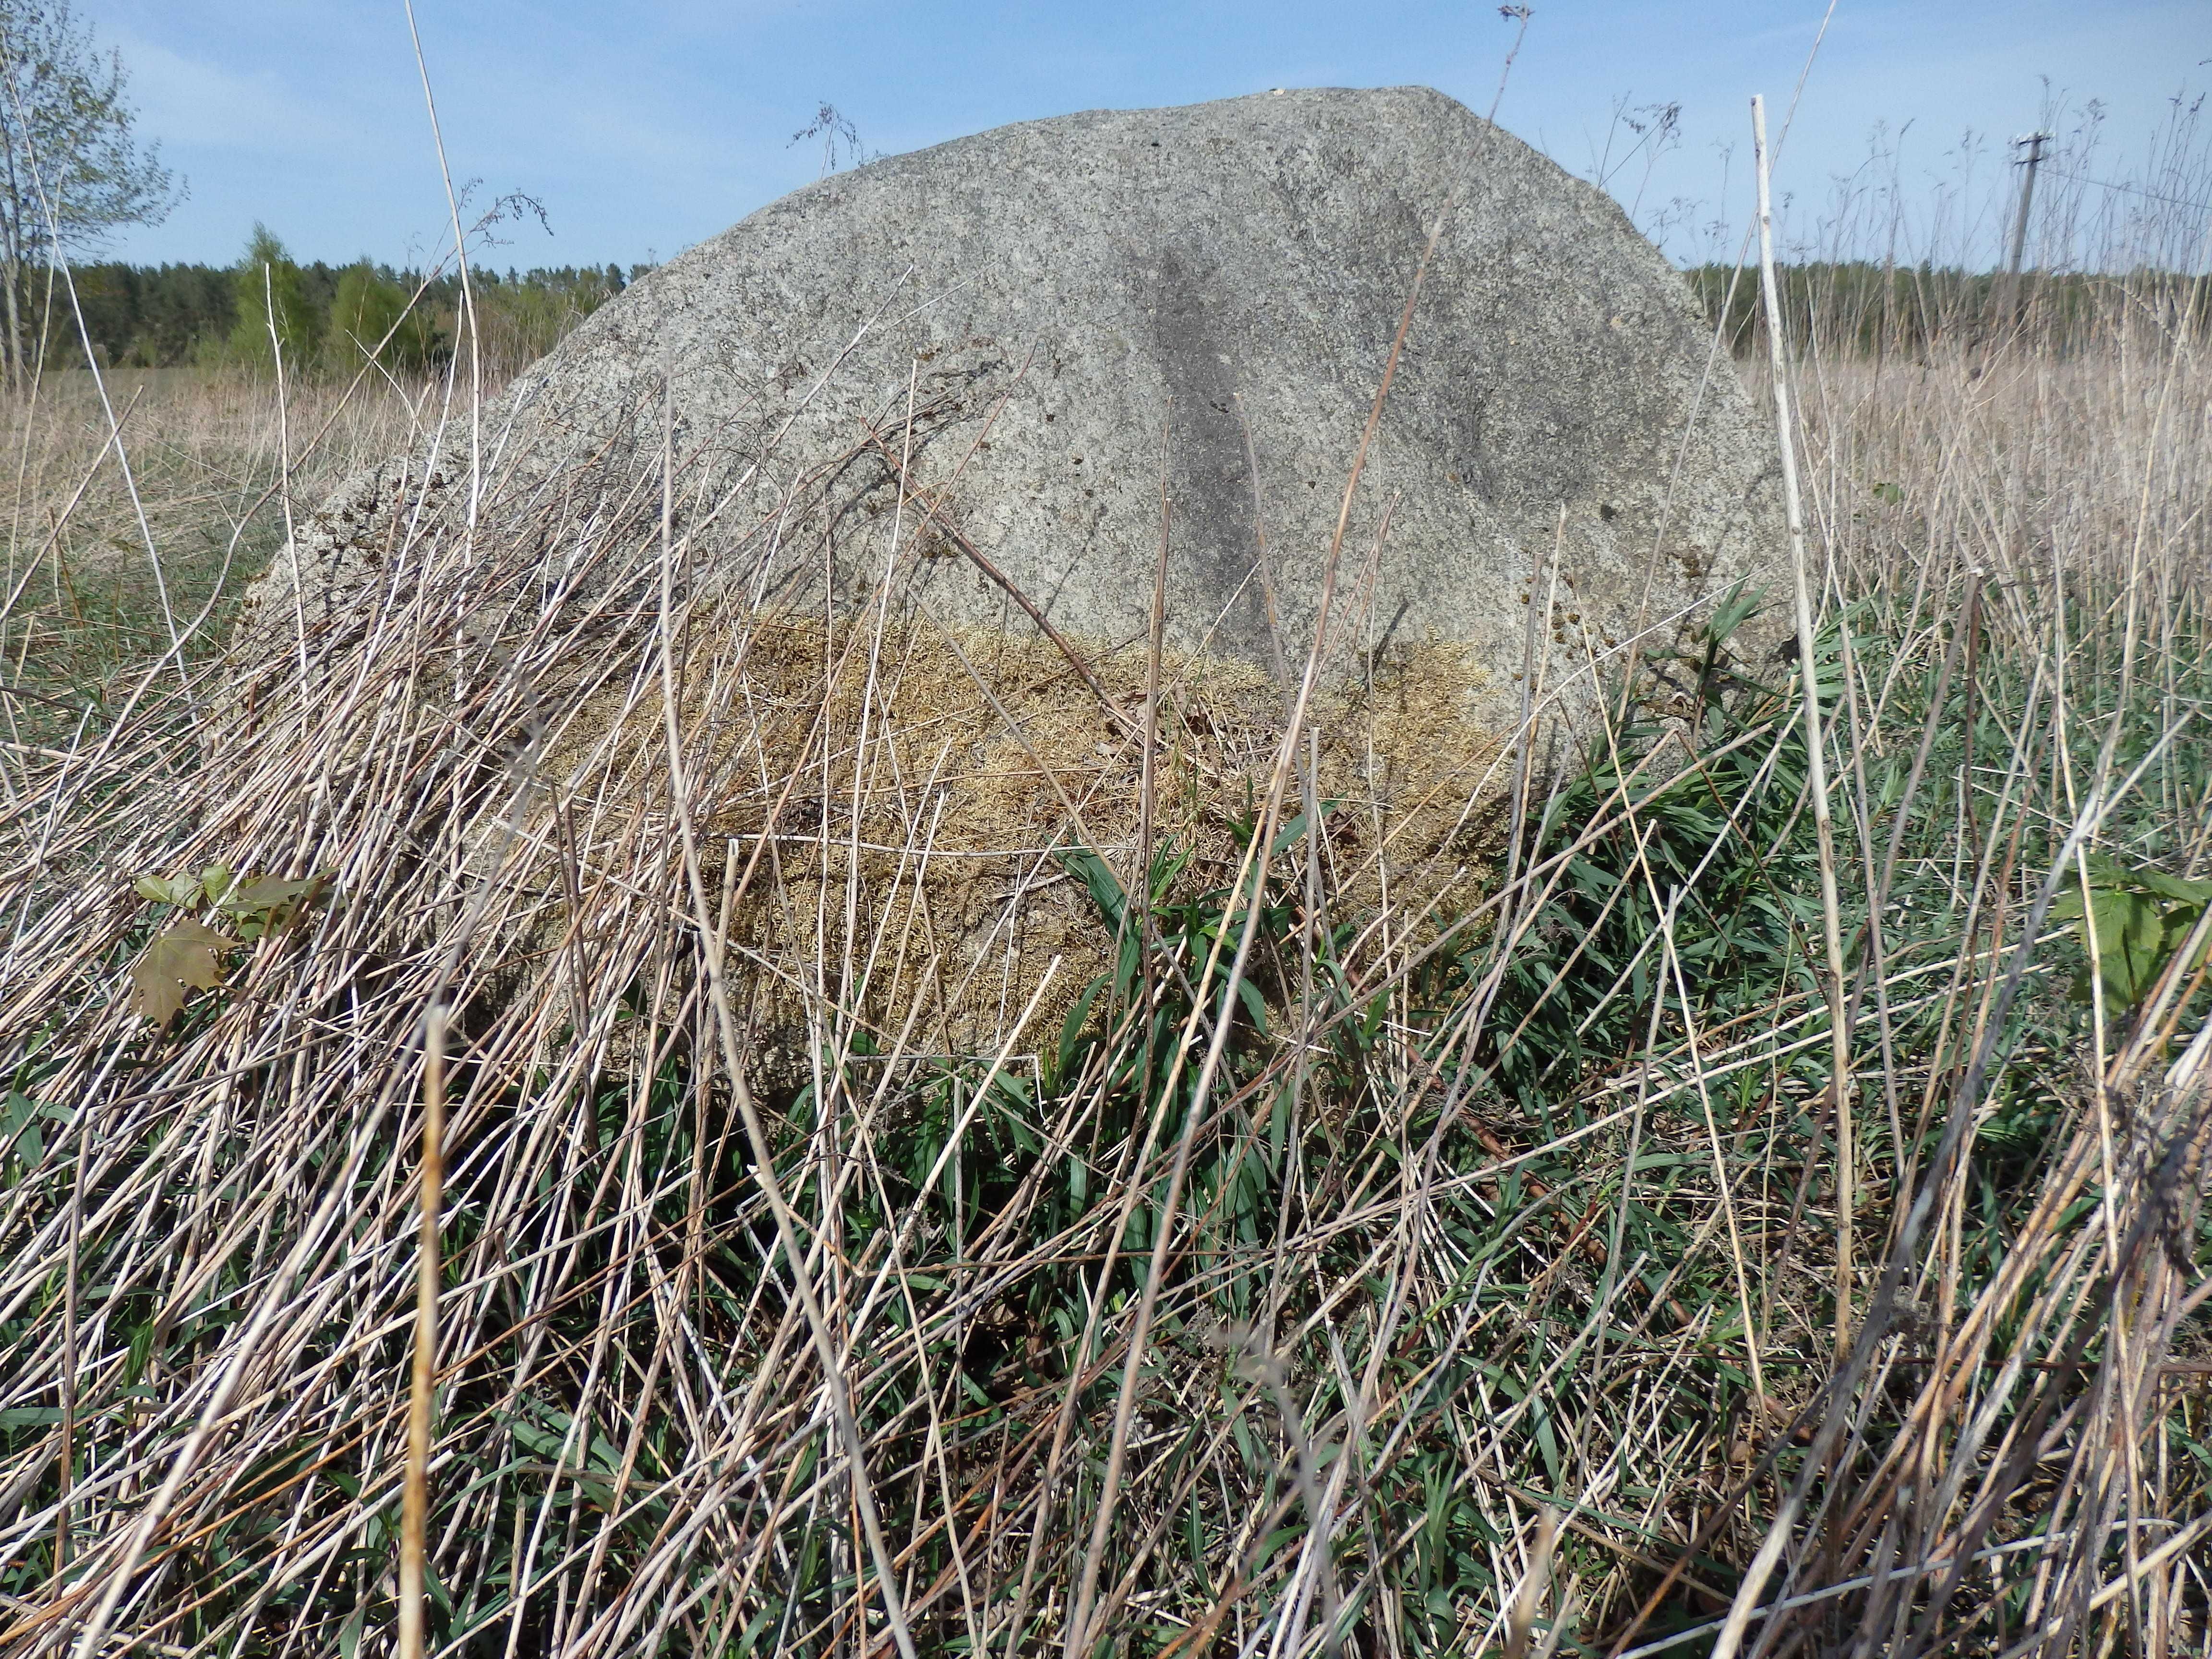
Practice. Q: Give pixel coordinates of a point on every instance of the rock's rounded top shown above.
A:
(1090, 313)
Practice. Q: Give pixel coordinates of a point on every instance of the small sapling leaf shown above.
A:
(184, 892)
(183, 956)
(2141, 917)
(261, 904)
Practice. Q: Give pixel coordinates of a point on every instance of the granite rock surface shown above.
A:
(1018, 344)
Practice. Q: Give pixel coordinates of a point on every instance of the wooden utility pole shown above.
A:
(2033, 143)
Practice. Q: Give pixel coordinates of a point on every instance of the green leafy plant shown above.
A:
(2139, 919)
(373, 317)
(1724, 836)
(22, 1138)
(188, 954)
(274, 308)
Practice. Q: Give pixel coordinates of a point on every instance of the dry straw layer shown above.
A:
(909, 794)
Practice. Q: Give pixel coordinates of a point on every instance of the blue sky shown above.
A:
(646, 125)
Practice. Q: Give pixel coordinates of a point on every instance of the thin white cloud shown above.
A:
(192, 101)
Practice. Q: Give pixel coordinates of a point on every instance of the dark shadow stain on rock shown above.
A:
(1212, 541)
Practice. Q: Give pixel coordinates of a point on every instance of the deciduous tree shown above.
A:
(71, 166)
(273, 307)
(371, 316)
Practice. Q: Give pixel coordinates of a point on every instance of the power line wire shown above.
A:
(2132, 190)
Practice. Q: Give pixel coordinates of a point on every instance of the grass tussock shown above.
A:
(1241, 1181)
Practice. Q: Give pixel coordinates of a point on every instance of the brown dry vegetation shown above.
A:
(942, 771)
(1496, 1252)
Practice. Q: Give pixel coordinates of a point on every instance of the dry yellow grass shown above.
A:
(106, 570)
(923, 784)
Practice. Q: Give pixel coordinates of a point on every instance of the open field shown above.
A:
(1337, 1271)
(109, 568)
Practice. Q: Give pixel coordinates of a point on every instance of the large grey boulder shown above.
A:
(1087, 313)
(964, 383)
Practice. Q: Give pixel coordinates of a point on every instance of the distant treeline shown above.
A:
(1867, 306)
(328, 317)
